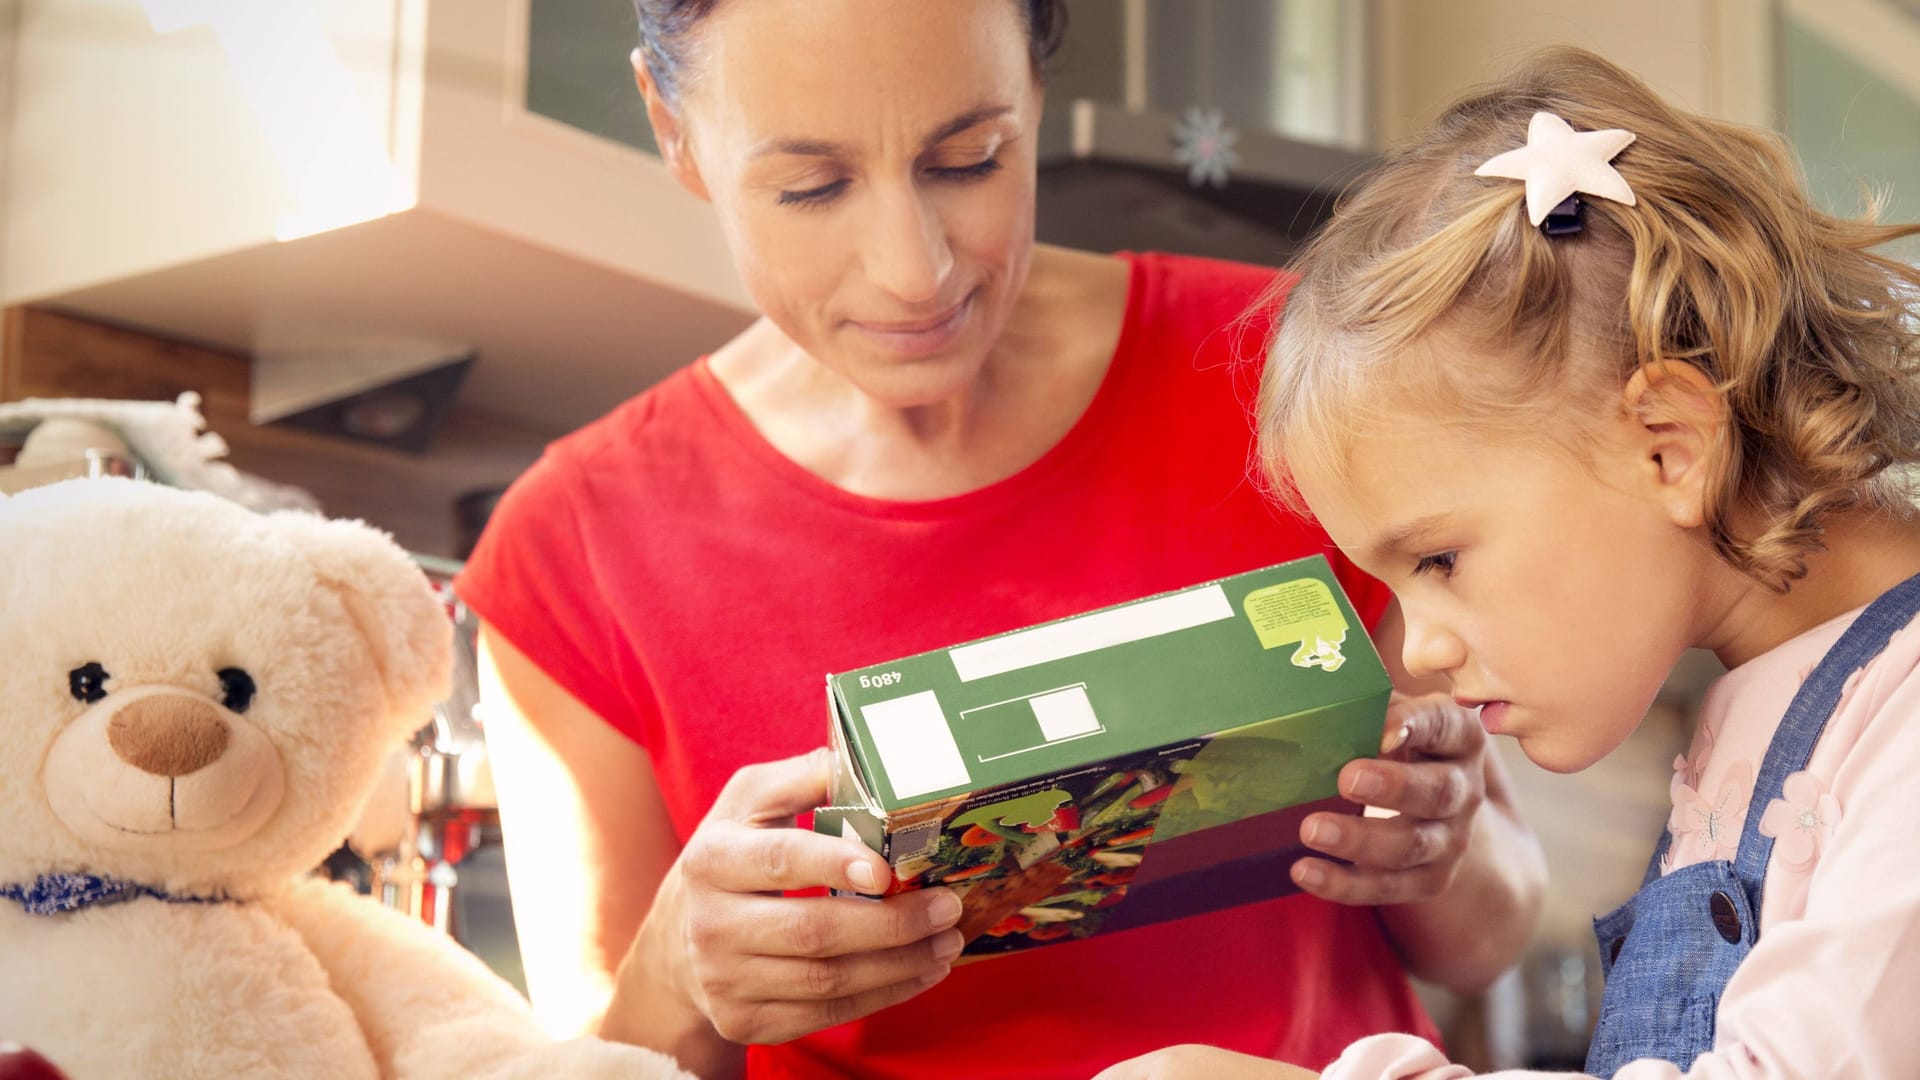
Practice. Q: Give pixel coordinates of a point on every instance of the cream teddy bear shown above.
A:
(194, 702)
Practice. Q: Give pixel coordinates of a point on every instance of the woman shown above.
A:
(936, 432)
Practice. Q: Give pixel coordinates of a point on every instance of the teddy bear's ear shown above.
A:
(388, 598)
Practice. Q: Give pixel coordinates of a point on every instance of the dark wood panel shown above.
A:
(51, 354)
(63, 356)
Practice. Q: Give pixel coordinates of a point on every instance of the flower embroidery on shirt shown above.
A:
(1802, 822)
(1712, 824)
(1688, 767)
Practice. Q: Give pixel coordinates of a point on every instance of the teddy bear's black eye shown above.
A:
(237, 689)
(88, 682)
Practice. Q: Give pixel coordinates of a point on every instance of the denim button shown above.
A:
(1725, 918)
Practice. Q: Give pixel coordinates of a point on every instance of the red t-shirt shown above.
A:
(692, 586)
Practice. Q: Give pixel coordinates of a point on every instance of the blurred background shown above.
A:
(393, 247)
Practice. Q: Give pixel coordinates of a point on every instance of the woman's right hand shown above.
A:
(760, 967)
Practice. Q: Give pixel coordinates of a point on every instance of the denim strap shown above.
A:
(1806, 718)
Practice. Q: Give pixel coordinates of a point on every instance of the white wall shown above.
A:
(488, 161)
(1712, 56)
(147, 134)
(9, 17)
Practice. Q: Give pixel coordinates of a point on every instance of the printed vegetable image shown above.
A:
(1151, 798)
(1033, 867)
(970, 872)
(975, 836)
(1065, 819)
(1017, 819)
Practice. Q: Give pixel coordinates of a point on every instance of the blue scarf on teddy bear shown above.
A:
(54, 894)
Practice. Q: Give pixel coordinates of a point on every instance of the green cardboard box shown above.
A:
(1139, 763)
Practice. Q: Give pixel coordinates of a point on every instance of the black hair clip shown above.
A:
(1566, 218)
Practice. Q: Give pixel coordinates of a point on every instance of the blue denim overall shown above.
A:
(1668, 952)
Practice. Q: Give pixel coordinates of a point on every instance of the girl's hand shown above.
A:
(1178, 1062)
(1433, 774)
(765, 968)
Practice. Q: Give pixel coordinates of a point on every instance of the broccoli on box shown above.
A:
(1142, 762)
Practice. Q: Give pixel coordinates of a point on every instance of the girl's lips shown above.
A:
(921, 338)
(1493, 716)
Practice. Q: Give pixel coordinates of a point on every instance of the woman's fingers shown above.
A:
(821, 927)
(1360, 886)
(774, 791)
(826, 978)
(739, 858)
(1401, 843)
(1434, 783)
(767, 1022)
(1426, 789)
(1433, 726)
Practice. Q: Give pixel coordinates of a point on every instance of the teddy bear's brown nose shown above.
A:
(168, 734)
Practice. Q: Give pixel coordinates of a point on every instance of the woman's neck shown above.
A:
(1036, 382)
(1867, 553)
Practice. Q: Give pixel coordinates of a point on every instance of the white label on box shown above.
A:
(1065, 713)
(1091, 633)
(911, 736)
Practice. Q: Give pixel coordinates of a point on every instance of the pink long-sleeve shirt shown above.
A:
(1832, 988)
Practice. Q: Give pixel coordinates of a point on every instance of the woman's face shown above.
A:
(872, 163)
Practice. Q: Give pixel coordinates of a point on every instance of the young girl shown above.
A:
(1588, 381)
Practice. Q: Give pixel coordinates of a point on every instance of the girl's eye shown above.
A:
(236, 689)
(969, 172)
(88, 682)
(825, 193)
(1443, 562)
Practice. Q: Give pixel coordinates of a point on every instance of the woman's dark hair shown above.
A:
(664, 25)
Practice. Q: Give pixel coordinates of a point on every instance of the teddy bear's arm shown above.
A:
(431, 1009)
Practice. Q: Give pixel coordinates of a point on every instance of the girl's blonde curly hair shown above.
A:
(1723, 263)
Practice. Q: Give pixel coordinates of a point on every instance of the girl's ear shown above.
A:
(668, 132)
(1678, 415)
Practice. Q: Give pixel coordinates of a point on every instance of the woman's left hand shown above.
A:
(1179, 1062)
(1432, 773)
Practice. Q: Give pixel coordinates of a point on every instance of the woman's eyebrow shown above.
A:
(964, 121)
(828, 149)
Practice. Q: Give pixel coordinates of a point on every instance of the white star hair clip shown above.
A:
(1559, 163)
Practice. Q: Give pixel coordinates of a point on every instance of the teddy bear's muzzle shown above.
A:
(169, 735)
(163, 764)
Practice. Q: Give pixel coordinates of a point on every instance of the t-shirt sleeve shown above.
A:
(532, 580)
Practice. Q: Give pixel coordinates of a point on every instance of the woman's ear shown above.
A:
(1678, 415)
(667, 130)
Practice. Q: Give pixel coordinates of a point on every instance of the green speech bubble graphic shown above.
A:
(1301, 612)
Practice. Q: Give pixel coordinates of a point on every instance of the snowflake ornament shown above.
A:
(1203, 142)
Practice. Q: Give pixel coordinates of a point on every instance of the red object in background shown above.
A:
(19, 1063)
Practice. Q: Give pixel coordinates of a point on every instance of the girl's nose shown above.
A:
(906, 248)
(1430, 649)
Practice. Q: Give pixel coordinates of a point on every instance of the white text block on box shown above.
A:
(1065, 713)
(910, 734)
(1090, 633)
